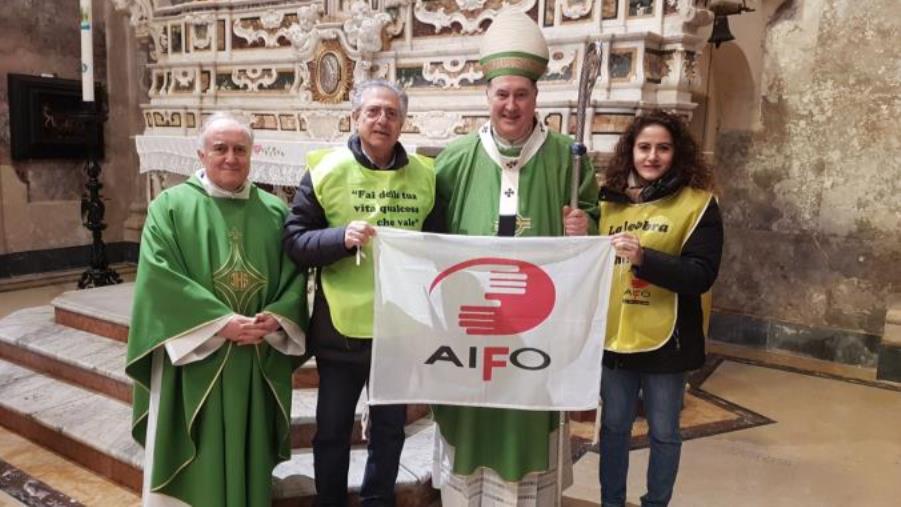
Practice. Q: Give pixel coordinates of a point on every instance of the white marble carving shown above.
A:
(272, 19)
(450, 73)
(470, 5)
(441, 19)
(560, 60)
(572, 10)
(324, 124)
(184, 77)
(301, 86)
(304, 35)
(364, 28)
(254, 78)
(269, 34)
(437, 125)
(201, 29)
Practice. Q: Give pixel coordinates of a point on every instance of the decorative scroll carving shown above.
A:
(364, 28)
(201, 26)
(254, 78)
(272, 19)
(398, 10)
(576, 9)
(184, 79)
(304, 35)
(443, 17)
(560, 62)
(271, 32)
(301, 85)
(470, 5)
(438, 125)
(324, 125)
(450, 73)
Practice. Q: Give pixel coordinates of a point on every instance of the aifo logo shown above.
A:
(494, 296)
(511, 297)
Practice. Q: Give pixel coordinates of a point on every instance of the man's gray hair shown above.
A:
(356, 95)
(223, 116)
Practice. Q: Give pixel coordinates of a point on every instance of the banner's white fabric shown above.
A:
(489, 321)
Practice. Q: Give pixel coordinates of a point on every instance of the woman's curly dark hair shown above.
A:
(688, 162)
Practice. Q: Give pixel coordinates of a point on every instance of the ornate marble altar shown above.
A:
(289, 65)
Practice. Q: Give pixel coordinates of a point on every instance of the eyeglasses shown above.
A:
(375, 112)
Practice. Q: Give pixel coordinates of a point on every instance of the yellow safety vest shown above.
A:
(347, 191)
(642, 316)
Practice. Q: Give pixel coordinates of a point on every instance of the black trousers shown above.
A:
(340, 385)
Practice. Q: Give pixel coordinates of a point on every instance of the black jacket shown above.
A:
(311, 243)
(689, 274)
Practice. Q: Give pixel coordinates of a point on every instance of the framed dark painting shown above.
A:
(43, 119)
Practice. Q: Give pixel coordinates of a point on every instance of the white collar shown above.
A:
(529, 148)
(216, 191)
(508, 200)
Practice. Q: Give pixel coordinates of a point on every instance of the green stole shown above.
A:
(224, 421)
(511, 442)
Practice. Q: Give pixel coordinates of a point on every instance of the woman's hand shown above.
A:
(628, 247)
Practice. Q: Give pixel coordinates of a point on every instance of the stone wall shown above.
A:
(810, 186)
(40, 199)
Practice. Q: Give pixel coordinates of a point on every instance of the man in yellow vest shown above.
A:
(344, 194)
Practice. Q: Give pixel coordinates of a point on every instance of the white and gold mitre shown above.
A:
(513, 46)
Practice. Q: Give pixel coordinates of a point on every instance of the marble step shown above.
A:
(293, 479)
(106, 311)
(32, 339)
(95, 431)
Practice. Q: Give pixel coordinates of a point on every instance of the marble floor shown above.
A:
(764, 429)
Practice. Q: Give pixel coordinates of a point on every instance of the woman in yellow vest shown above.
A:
(657, 206)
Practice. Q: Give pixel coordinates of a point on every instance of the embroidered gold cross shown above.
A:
(237, 281)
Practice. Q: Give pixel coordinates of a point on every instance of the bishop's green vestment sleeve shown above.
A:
(223, 421)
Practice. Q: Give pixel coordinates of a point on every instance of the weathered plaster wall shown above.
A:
(810, 193)
(40, 199)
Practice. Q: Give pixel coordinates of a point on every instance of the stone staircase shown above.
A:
(63, 385)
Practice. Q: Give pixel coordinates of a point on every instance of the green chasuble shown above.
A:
(511, 442)
(223, 421)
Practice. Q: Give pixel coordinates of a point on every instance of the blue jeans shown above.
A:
(662, 394)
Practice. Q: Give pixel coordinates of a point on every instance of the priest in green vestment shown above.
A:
(217, 329)
(511, 178)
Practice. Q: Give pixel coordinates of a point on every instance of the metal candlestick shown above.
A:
(99, 273)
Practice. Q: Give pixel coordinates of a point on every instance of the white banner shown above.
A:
(489, 321)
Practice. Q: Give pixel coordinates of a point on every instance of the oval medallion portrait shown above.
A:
(329, 73)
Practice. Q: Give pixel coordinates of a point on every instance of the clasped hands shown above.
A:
(249, 330)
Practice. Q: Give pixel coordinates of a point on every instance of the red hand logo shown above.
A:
(519, 295)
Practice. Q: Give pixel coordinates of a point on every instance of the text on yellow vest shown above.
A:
(642, 316)
(347, 191)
